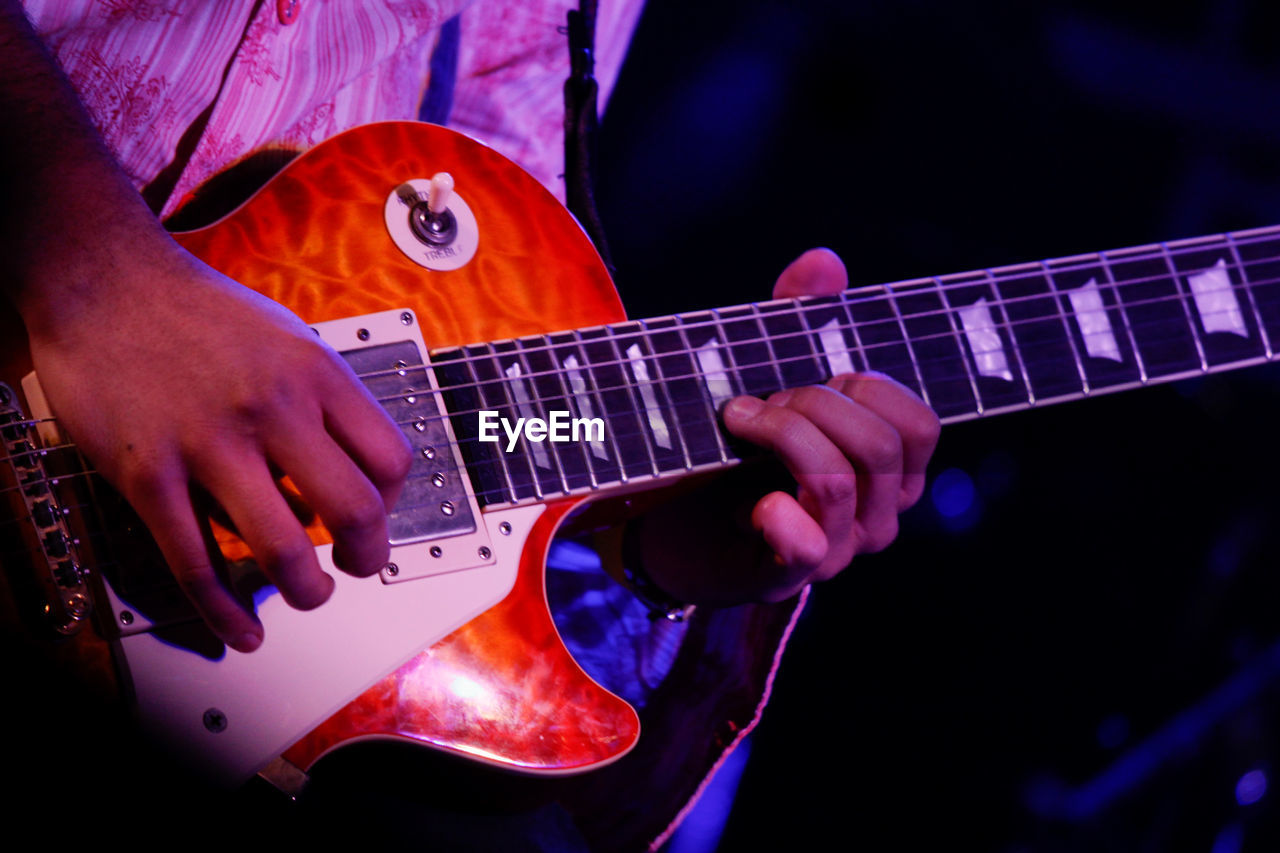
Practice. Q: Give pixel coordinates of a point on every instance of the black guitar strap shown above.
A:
(581, 119)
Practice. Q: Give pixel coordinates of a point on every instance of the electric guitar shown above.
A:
(444, 303)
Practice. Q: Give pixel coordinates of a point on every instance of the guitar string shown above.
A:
(986, 280)
(809, 304)
(922, 287)
(927, 287)
(479, 386)
(635, 414)
(975, 283)
(500, 492)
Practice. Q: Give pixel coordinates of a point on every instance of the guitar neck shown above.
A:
(970, 344)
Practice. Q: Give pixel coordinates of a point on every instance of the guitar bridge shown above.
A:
(61, 580)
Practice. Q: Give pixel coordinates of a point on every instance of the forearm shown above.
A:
(71, 211)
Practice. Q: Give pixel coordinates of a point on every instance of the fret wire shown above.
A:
(906, 339)
(502, 462)
(552, 452)
(1124, 315)
(1186, 309)
(736, 369)
(660, 387)
(504, 383)
(1058, 297)
(593, 389)
(853, 330)
(960, 347)
(704, 394)
(814, 339)
(1013, 339)
(569, 400)
(637, 409)
(1248, 289)
(768, 340)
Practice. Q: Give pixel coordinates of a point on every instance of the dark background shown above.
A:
(1073, 644)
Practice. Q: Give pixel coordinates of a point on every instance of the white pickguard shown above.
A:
(311, 663)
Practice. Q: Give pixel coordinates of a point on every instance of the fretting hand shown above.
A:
(856, 449)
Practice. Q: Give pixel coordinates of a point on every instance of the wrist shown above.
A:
(64, 277)
(661, 604)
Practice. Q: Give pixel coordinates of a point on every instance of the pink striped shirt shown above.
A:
(147, 69)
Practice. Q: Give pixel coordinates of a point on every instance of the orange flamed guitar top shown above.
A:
(314, 240)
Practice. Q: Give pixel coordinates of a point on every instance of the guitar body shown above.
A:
(502, 688)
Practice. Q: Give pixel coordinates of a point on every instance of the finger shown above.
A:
(243, 486)
(798, 542)
(916, 424)
(340, 493)
(363, 429)
(818, 272)
(875, 449)
(165, 507)
(818, 466)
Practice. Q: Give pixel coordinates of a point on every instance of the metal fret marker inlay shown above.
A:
(713, 373)
(833, 345)
(583, 400)
(1216, 301)
(984, 340)
(525, 406)
(1095, 325)
(661, 435)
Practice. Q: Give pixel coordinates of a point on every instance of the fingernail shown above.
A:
(781, 398)
(744, 407)
(247, 642)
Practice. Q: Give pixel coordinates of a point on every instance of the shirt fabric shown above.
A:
(147, 70)
(235, 79)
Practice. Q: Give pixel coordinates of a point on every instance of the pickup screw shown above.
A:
(420, 424)
(214, 720)
(435, 551)
(505, 528)
(484, 552)
(406, 318)
(447, 507)
(391, 569)
(437, 480)
(428, 453)
(400, 367)
(363, 334)
(126, 617)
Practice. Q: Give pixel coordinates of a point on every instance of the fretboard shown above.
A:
(971, 344)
